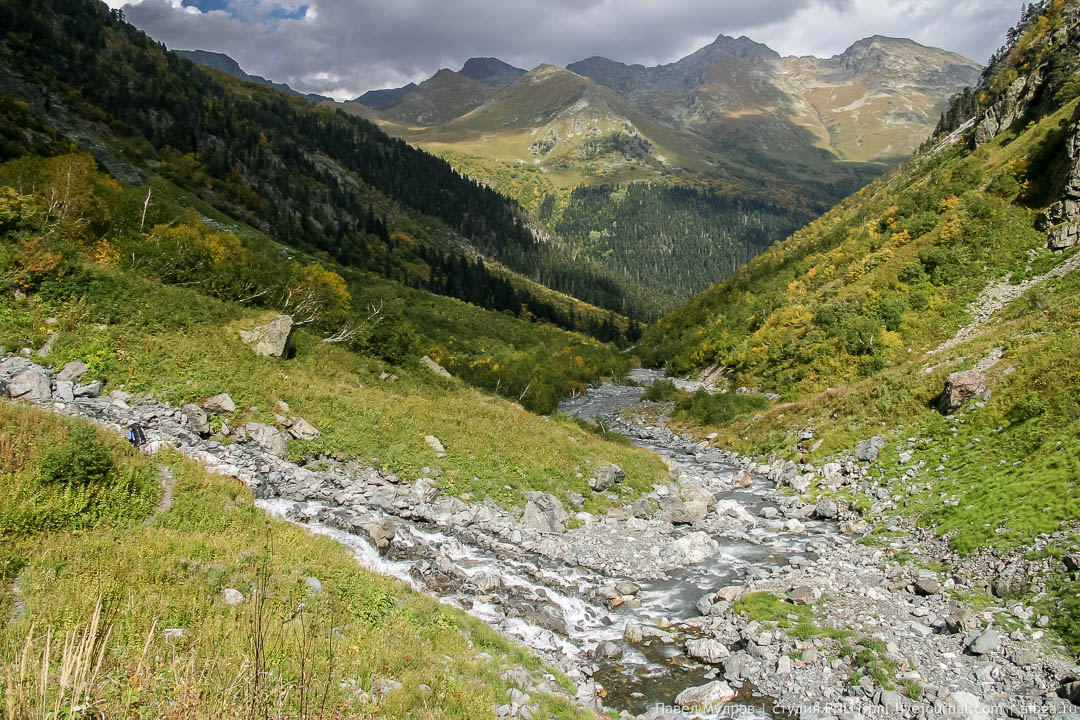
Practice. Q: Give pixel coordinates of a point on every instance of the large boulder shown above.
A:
(673, 510)
(436, 446)
(827, 509)
(30, 384)
(382, 533)
(705, 697)
(197, 419)
(72, 371)
(273, 339)
(960, 388)
(693, 493)
(707, 650)
(269, 438)
(867, 450)
(220, 404)
(303, 430)
(435, 367)
(690, 549)
(544, 512)
(606, 477)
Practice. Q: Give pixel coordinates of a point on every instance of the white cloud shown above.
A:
(343, 47)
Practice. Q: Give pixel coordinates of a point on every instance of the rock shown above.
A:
(832, 474)
(794, 526)
(607, 651)
(627, 588)
(868, 450)
(693, 493)
(72, 371)
(707, 650)
(486, 582)
(644, 508)
(705, 697)
(966, 706)
(435, 367)
(960, 387)
(783, 666)
(734, 509)
(927, 586)
(606, 477)
(696, 510)
(313, 584)
(89, 390)
(890, 700)
(988, 642)
(232, 596)
(741, 479)
(632, 633)
(271, 340)
(382, 687)
(436, 446)
(961, 621)
(31, 384)
(673, 510)
(690, 549)
(382, 533)
(1070, 691)
(729, 593)
(219, 404)
(802, 595)
(544, 512)
(1072, 562)
(735, 666)
(45, 349)
(769, 512)
(519, 677)
(196, 418)
(269, 438)
(303, 430)
(65, 391)
(425, 491)
(827, 509)
(854, 527)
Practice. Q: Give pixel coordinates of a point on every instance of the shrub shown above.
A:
(81, 461)
(719, 409)
(661, 391)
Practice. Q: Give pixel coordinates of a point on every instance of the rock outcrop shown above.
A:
(961, 388)
(273, 339)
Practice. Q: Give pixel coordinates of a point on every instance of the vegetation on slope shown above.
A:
(143, 592)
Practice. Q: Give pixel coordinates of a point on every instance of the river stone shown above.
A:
(268, 438)
(867, 450)
(606, 477)
(486, 582)
(741, 479)
(696, 510)
(271, 340)
(960, 387)
(435, 367)
(196, 418)
(219, 404)
(769, 512)
(987, 642)
(673, 510)
(632, 633)
(544, 512)
(232, 596)
(607, 651)
(31, 384)
(827, 509)
(627, 588)
(303, 430)
(690, 549)
(734, 509)
(693, 493)
(802, 595)
(794, 526)
(707, 650)
(425, 491)
(705, 697)
(382, 533)
(73, 371)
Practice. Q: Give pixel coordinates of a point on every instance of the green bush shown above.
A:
(81, 461)
(661, 391)
(719, 409)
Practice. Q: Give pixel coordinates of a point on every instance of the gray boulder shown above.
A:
(606, 477)
(31, 384)
(271, 340)
(607, 651)
(89, 390)
(219, 404)
(961, 621)
(927, 586)
(436, 446)
(72, 371)
(303, 430)
(544, 512)
(673, 510)
(197, 419)
(827, 509)
(988, 642)
(435, 367)
(65, 390)
(706, 696)
(960, 388)
(268, 438)
(690, 549)
(232, 596)
(867, 450)
(382, 533)
(707, 650)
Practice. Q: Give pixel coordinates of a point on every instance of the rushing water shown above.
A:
(545, 604)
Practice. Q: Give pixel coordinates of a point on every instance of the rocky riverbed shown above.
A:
(647, 606)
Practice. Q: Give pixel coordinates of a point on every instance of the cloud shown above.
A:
(343, 47)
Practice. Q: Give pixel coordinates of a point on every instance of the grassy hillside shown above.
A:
(135, 595)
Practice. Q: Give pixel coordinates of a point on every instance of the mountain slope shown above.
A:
(224, 63)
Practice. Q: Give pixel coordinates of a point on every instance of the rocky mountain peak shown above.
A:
(742, 48)
(491, 71)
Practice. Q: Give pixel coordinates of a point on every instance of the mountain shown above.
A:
(384, 99)
(491, 71)
(773, 140)
(224, 63)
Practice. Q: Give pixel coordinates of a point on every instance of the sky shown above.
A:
(343, 47)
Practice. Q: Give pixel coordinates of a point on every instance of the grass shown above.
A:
(149, 338)
(116, 587)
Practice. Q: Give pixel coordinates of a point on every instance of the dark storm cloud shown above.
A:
(343, 47)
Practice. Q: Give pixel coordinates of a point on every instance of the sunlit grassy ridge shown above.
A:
(321, 651)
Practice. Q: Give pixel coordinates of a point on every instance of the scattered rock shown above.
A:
(65, 391)
(827, 509)
(544, 512)
(31, 384)
(313, 584)
(486, 582)
(673, 510)
(89, 390)
(219, 404)
(927, 586)
(802, 595)
(705, 697)
(72, 371)
(707, 650)
(741, 479)
(607, 651)
(627, 588)
(690, 549)
(303, 430)
(961, 621)
(605, 477)
(196, 418)
(868, 450)
(232, 596)
(987, 642)
(436, 446)
(967, 706)
(273, 339)
(961, 387)
(269, 438)
(435, 367)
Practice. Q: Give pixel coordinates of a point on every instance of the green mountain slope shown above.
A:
(963, 259)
